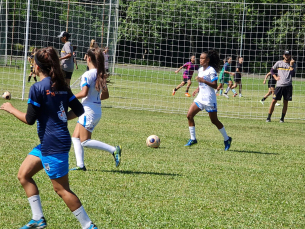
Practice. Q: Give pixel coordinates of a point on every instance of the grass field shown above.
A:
(259, 183)
(148, 88)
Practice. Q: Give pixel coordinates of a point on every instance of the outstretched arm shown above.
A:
(8, 107)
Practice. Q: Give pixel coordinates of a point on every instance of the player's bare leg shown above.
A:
(179, 86)
(189, 83)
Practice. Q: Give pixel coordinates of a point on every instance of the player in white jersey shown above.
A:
(206, 99)
(93, 90)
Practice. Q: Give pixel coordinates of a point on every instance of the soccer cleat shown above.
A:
(281, 121)
(41, 223)
(174, 92)
(187, 94)
(79, 168)
(228, 144)
(117, 155)
(225, 95)
(277, 104)
(235, 95)
(92, 226)
(268, 120)
(262, 102)
(191, 142)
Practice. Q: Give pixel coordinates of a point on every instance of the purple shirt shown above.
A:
(190, 68)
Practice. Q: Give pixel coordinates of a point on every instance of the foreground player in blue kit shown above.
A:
(48, 103)
(206, 99)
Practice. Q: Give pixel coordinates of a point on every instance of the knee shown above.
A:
(21, 177)
(190, 116)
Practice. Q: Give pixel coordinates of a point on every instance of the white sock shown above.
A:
(224, 133)
(82, 217)
(79, 152)
(192, 132)
(234, 91)
(227, 90)
(35, 204)
(98, 145)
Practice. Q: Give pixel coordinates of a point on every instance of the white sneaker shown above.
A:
(262, 102)
(225, 95)
(277, 104)
(240, 95)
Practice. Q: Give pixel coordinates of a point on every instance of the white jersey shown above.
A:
(92, 100)
(206, 95)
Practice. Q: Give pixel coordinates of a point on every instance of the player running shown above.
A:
(237, 76)
(206, 99)
(271, 86)
(187, 75)
(48, 103)
(93, 90)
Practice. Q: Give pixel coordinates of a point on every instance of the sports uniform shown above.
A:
(237, 75)
(188, 73)
(226, 76)
(52, 127)
(206, 98)
(91, 103)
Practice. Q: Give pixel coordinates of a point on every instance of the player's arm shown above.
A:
(8, 107)
(196, 91)
(83, 93)
(179, 69)
(274, 75)
(77, 108)
(267, 75)
(66, 56)
(226, 71)
(292, 65)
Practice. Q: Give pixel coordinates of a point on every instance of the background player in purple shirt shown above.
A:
(187, 75)
(48, 103)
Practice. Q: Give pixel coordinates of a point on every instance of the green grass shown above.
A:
(259, 183)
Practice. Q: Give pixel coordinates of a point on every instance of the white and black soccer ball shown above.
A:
(6, 95)
(153, 141)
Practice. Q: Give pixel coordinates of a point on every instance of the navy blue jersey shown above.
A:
(52, 119)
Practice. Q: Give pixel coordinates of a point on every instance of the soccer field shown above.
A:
(258, 183)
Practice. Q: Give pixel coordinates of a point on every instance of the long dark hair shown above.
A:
(214, 59)
(48, 62)
(98, 61)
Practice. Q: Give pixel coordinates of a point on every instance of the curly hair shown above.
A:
(48, 62)
(214, 59)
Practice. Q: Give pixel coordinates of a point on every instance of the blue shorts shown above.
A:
(55, 165)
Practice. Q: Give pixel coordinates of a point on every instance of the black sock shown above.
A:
(29, 79)
(263, 99)
(175, 89)
(187, 91)
(35, 78)
(283, 116)
(269, 116)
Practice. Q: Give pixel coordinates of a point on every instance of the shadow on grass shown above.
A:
(134, 172)
(248, 151)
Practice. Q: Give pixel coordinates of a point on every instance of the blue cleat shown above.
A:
(191, 142)
(92, 226)
(117, 155)
(228, 144)
(79, 168)
(41, 223)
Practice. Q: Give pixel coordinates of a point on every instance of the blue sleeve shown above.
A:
(226, 66)
(35, 96)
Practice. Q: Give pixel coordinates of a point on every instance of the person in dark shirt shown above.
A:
(48, 103)
(237, 76)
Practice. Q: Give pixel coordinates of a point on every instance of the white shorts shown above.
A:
(206, 107)
(89, 119)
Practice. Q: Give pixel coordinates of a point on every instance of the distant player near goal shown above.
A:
(206, 99)
(286, 70)
(237, 76)
(187, 75)
(31, 60)
(271, 86)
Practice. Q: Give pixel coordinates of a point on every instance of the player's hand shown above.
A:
(7, 107)
(277, 78)
(176, 71)
(195, 92)
(264, 82)
(199, 79)
(292, 62)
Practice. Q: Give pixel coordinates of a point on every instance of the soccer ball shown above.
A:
(153, 141)
(6, 95)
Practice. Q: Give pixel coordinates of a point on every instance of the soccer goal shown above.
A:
(157, 37)
(30, 24)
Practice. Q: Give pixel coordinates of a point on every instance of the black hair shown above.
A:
(214, 59)
(228, 57)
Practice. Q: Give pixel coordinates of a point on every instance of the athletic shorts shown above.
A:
(89, 119)
(271, 83)
(186, 79)
(225, 80)
(206, 107)
(55, 165)
(68, 75)
(237, 78)
(285, 92)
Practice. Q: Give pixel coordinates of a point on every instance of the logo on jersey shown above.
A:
(62, 114)
(47, 166)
